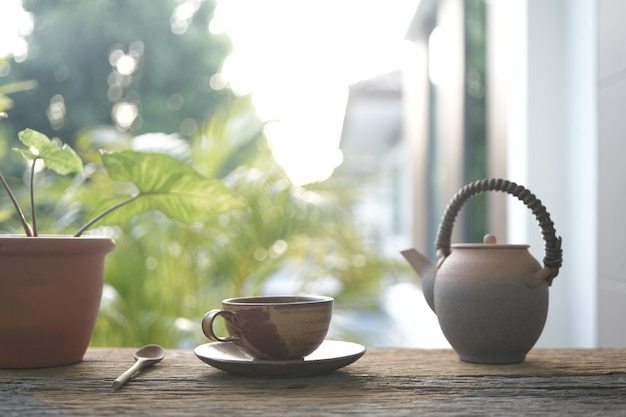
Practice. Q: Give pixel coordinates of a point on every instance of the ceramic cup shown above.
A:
(274, 327)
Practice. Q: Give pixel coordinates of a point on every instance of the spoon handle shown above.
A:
(121, 380)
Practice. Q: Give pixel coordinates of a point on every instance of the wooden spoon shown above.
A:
(146, 356)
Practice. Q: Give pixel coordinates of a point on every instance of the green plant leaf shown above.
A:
(33, 138)
(26, 153)
(5, 104)
(165, 184)
(61, 159)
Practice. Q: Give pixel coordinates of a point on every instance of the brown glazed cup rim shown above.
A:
(278, 300)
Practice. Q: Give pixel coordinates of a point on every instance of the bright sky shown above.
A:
(297, 59)
(14, 24)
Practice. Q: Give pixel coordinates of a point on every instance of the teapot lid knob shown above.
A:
(489, 239)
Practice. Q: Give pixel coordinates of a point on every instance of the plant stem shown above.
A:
(32, 197)
(104, 213)
(27, 228)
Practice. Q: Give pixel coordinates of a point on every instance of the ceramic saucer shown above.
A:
(331, 355)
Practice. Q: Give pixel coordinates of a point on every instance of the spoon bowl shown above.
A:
(144, 357)
(150, 354)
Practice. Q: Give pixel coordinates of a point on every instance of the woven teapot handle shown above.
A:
(553, 253)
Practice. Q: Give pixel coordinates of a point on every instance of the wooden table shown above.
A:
(384, 382)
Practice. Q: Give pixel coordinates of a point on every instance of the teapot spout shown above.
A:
(427, 272)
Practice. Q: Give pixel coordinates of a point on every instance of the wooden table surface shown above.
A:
(384, 382)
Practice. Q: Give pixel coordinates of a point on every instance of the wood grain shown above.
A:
(384, 382)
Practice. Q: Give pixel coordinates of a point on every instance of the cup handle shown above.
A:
(209, 319)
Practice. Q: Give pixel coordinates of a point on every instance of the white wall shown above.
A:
(572, 155)
(555, 51)
(552, 146)
(611, 179)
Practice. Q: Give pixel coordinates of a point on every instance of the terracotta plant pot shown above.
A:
(50, 290)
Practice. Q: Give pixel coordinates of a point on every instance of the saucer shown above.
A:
(331, 355)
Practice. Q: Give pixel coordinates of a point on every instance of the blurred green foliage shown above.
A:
(72, 53)
(163, 276)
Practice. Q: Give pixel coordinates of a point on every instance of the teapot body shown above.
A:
(490, 305)
(491, 300)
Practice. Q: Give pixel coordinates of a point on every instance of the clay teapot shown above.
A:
(491, 299)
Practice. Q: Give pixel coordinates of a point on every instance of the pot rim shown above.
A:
(52, 236)
(55, 244)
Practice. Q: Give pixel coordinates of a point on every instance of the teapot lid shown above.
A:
(489, 242)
